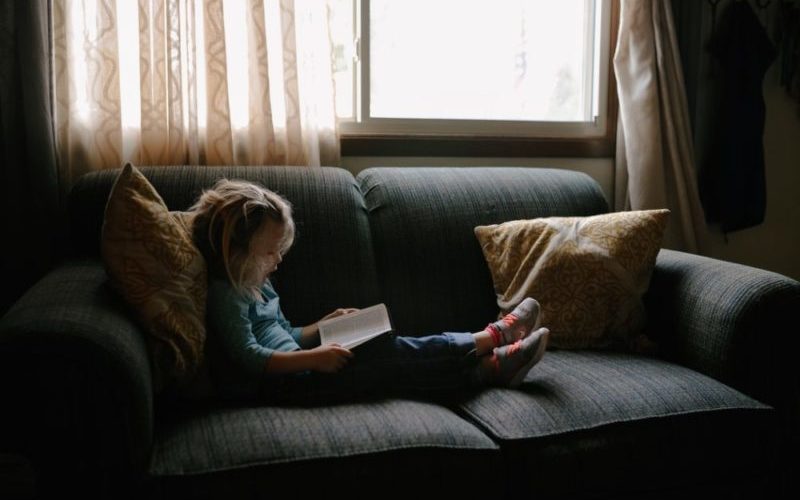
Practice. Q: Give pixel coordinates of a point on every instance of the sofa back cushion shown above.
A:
(432, 272)
(331, 263)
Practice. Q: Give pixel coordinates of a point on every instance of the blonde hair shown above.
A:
(226, 217)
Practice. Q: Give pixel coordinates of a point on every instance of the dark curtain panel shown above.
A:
(28, 174)
(732, 179)
(725, 51)
(688, 16)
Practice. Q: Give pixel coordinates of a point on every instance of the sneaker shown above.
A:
(513, 361)
(517, 324)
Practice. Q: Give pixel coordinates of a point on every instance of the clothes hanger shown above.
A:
(762, 13)
(713, 4)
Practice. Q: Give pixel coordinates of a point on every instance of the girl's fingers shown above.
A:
(345, 353)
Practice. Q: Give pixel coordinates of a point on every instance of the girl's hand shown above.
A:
(339, 312)
(310, 334)
(330, 358)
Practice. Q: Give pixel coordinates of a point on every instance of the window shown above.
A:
(508, 68)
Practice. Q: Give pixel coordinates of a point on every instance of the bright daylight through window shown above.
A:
(516, 67)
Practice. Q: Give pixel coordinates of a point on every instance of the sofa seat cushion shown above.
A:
(594, 422)
(218, 447)
(569, 391)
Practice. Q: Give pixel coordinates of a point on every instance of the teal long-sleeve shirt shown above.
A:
(249, 331)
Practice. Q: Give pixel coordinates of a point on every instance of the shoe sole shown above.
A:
(520, 376)
(538, 323)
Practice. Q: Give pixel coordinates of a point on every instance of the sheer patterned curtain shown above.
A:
(246, 82)
(655, 157)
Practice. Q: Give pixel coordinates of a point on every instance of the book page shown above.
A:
(355, 328)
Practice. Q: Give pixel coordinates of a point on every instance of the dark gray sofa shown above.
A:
(715, 412)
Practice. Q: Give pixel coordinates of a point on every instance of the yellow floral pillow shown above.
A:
(588, 273)
(151, 260)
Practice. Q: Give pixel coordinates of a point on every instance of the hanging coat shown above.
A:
(732, 179)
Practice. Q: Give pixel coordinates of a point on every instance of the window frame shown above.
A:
(402, 137)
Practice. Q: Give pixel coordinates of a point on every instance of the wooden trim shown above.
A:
(512, 147)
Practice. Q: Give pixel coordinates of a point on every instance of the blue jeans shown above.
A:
(435, 366)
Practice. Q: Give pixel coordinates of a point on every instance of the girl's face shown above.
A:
(265, 252)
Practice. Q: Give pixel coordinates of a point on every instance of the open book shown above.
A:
(355, 328)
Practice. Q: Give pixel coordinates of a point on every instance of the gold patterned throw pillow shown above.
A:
(151, 260)
(588, 273)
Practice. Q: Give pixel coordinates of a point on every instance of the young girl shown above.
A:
(244, 230)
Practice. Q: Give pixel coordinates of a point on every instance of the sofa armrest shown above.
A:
(735, 323)
(75, 379)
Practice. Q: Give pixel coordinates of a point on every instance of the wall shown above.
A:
(773, 245)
